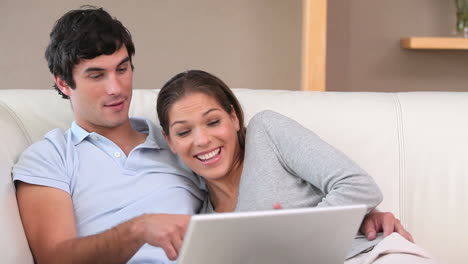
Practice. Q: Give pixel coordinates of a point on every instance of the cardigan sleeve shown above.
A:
(303, 154)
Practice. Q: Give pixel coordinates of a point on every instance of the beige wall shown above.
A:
(250, 44)
(363, 52)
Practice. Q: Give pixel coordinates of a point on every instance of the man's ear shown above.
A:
(168, 140)
(62, 85)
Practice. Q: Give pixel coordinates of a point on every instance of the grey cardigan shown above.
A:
(287, 163)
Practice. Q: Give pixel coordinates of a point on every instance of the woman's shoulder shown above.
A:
(268, 124)
(267, 118)
(278, 127)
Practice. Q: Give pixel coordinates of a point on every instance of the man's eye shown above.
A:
(122, 70)
(214, 122)
(96, 76)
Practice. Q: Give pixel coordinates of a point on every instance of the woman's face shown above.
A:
(204, 135)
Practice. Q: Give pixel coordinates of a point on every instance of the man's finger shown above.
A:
(170, 250)
(177, 243)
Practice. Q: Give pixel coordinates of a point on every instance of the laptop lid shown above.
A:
(299, 236)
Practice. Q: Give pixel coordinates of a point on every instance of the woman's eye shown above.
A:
(214, 122)
(183, 133)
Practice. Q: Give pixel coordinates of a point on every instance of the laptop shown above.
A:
(297, 236)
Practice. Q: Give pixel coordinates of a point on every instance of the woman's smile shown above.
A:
(204, 135)
(209, 157)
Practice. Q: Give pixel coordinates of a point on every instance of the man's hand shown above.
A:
(166, 231)
(377, 221)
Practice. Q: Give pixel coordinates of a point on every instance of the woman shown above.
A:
(274, 160)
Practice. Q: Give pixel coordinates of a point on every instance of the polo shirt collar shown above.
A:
(78, 134)
(155, 138)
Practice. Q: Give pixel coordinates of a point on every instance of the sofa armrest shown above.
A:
(13, 245)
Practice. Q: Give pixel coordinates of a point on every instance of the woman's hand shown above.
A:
(377, 221)
(277, 205)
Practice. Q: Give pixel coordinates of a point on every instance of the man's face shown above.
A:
(101, 98)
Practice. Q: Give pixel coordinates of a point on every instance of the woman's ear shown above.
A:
(63, 86)
(234, 118)
(168, 140)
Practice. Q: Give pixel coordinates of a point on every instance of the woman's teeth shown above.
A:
(209, 155)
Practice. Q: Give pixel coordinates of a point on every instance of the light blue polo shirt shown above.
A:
(106, 186)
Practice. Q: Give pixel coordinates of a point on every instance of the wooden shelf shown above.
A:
(434, 43)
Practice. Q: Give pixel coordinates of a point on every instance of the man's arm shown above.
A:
(49, 222)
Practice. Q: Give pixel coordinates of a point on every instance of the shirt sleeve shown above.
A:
(305, 155)
(44, 163)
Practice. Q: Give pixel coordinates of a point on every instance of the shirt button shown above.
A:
(117, 154)
(95, 138)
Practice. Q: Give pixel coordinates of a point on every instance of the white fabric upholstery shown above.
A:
(414, 144)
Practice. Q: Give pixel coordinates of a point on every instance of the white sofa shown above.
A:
(414, 144)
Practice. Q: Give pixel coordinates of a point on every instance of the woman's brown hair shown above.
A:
(191, 81)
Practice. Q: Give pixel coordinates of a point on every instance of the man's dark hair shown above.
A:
(84, 33)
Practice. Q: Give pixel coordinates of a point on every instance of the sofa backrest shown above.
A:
(415, 145)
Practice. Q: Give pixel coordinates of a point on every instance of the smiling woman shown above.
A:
(205, 137)
(203, 123)
(274, 160)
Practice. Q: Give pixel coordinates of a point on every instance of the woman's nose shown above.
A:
(202, 138)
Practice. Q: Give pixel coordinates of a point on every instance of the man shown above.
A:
(108, 190)
(97, 193)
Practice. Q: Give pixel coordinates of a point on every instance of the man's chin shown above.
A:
(116, 123)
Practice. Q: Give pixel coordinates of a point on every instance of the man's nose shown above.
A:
(113, 86)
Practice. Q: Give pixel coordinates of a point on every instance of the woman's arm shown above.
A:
(385, 222)
(305, 155)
